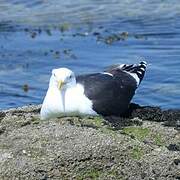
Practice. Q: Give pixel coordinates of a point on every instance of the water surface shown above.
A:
(39, 35)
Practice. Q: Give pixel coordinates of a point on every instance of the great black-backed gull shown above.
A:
(105, 93)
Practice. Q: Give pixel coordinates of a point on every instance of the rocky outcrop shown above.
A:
(143, 145)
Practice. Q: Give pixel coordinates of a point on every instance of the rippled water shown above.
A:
(38, 35)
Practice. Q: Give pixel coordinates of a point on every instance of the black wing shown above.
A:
(110, 95)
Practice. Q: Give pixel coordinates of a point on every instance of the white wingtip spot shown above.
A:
(121, 65)
(144, 62)
(108, 73)
(142, 69)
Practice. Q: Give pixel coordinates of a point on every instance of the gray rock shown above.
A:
(88, 147)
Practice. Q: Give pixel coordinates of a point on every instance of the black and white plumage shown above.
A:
(105, 93)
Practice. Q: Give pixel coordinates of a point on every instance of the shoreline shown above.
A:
(143, 146)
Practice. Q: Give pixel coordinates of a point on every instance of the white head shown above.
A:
(62, 79)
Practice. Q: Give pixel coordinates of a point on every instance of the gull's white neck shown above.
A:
(52, 105)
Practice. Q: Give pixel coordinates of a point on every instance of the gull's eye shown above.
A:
(70, 76)
(54, 75)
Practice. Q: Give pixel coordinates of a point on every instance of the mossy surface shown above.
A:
(89, 174)
(94, 174)
(136, 132)
(96, 122)
(144, 134)
(158, 139)
(137, 152)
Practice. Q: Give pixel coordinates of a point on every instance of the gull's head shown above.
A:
(62, 78)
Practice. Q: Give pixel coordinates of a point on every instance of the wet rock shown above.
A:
(56, 54)
(149, 113)
(48, 32)
(174, 147)
(113, 37)
(177, 161)
(64, 27)
(33, 35)
(2, 115)
(96, 33)
(2, 129)
(25, 87)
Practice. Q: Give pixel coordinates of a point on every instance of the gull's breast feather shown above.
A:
(76, 101)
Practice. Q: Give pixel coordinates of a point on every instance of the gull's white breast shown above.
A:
(75, 103)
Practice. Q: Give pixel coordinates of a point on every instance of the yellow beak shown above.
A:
(60, 84)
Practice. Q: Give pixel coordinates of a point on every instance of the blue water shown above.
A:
(37, 36)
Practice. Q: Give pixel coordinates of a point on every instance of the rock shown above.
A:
(2, 115)
(141, 145)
